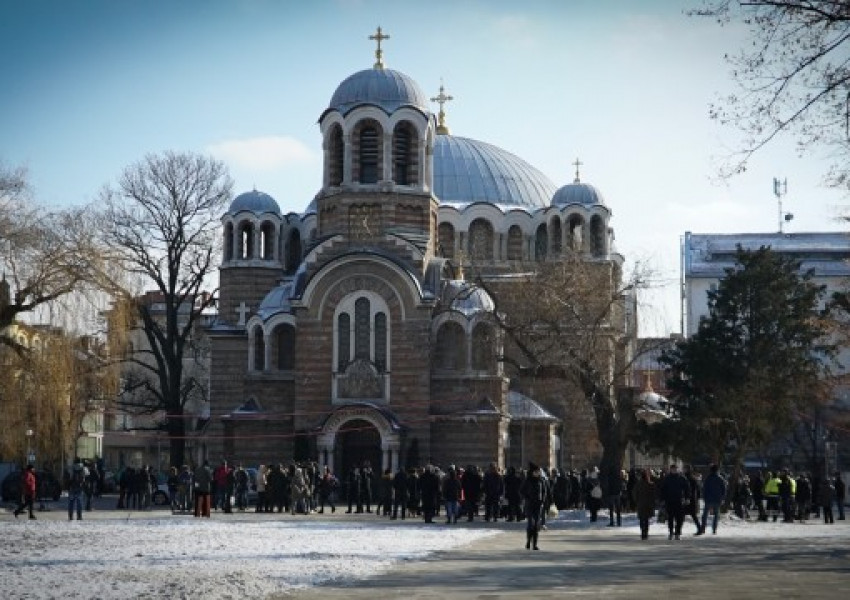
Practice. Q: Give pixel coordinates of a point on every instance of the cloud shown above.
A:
(267, 153)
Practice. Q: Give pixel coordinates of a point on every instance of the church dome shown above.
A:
(577, 193)
(254, 201)
(276, 301)
(385, 88)
(467, 171)
(466, 298)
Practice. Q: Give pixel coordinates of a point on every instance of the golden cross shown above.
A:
(379, 54)
(577, 164)
(441, 99)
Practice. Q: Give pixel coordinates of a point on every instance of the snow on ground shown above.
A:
(168, 558)
(115, 558)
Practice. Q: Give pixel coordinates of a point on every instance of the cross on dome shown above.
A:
(441, 99)
(379, 54)
(577, 164)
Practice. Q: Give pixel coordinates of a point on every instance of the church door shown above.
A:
(358, 441)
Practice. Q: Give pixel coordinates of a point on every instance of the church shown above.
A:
(348, 333)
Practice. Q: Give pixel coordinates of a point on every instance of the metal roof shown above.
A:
(254, 201)
(385, 88)
(522, 407)
(468, 171)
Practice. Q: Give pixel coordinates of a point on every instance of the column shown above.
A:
(346, 159)
(387, 152)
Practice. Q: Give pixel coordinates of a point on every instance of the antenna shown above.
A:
(780, 189)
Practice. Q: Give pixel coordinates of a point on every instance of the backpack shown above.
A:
(596, 492)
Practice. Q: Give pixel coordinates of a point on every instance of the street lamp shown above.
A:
(30, 454)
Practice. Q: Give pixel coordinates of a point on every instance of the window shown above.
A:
(404, 155)
(450, 353)
(362, 331)
(483, 348)
(336, 152)
(259, 350)
(228, 241)
(267, 240)
(514, 243)
(481, 240)
(369, 154)
(541, 243)
(447, 240)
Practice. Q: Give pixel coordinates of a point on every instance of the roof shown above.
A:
(468, 171)
(385, 88)
(708, 255)
(523, 408)
(577, 193)
(254, 201)
(466, 298)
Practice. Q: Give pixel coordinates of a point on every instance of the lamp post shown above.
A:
(30, 454)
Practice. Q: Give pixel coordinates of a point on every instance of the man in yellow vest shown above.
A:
(771, 494)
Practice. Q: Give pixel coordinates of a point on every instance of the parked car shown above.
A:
(48, 486)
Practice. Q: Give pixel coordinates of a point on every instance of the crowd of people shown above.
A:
(464, 493)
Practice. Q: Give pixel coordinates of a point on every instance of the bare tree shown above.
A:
(44, 255)
(794, 77)
(571, 323)
(162, 220)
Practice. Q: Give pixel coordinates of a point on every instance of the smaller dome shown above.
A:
(466, 298)
(276, 301)
(254, 201)
(386, 88)
(651, 401)
(577, 193)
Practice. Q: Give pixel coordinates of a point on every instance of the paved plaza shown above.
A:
(576, 559)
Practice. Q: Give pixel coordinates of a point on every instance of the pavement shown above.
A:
(586, 563)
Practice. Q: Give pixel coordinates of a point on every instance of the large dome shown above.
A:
(467, 171)
(577, 193)
(254, 201)
(385, 88)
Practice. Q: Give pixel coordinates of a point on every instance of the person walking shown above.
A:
(28, 487)
(451, 496)
(713, 494)
(644, 495)
(675, 491)
(533, 492)
(692, 504)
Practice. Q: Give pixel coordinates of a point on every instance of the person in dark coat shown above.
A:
(614, 494)
(203, 479)
(533, 492)
(400, 490)
(353, 490)
(452, 491)
(414, 493)
(644, 495)
(385, 507)
(713, 494)
(840, 494)
(327, 489)
(494, 489)
(471, 484)
(429, 488)
(826, 496)
(513, 482)
(561, 490)
(675, 492)
(365, 489)
(692, 506)
(804, 497)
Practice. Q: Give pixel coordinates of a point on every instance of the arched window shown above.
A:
(515, 243)
(267, 240)
(246, 239)
(597, 236)
(369, 142)
(541, 243)
(283, 348)
(450, 353)
(343, 341)
(336, 152)
(446, 233)
(555, 235)
(228, 241)
(575, 233)
(405, 149)
(259, 349)
(293, 252)
(362, 331)
(483, 348)
(481, 240)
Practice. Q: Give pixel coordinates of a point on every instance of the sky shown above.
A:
(244, 557)
(92, 86)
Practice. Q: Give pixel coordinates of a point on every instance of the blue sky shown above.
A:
(90, 87)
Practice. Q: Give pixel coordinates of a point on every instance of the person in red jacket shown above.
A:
(27, 493)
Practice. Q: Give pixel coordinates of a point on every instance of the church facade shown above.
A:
(347, 333)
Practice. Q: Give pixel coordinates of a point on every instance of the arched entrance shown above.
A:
(358, 441)
(359, 432)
